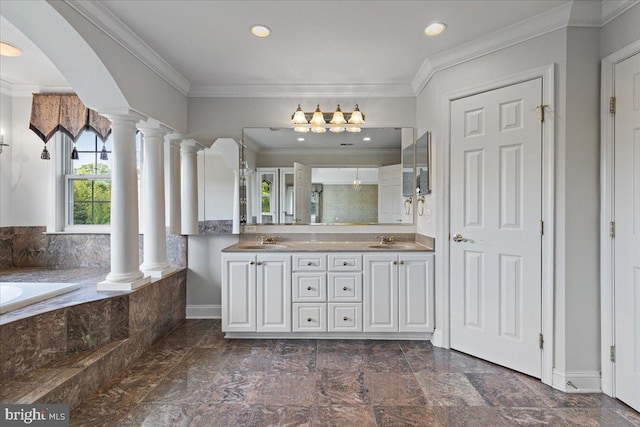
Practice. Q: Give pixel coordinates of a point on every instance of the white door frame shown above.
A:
(607, 313)
(442, 332)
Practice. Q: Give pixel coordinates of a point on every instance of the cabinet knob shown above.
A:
(395, 262)
(344, 289)
(345, 263)
(345, 318)
(309, 319)
(259, 263)
(308, 288)
(252, 263)
(309, 263)
(401, 262)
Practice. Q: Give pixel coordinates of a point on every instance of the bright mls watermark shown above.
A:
(34, 415)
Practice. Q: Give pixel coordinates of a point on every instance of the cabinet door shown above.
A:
(238, 293)
(415, 293)
(380, 293)
(273, 293)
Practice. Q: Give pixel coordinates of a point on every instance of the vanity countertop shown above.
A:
(319, 246)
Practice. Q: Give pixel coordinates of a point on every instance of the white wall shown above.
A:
(25, 200)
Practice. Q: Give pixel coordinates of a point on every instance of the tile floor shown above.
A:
(193, 377)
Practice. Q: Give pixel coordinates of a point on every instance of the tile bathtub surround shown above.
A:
(85, 319)
(30, 247)
(195, 377)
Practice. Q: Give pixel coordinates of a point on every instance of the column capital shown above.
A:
(152, 132)
(126, 115)
(175, 142)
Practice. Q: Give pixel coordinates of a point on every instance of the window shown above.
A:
(88, 179)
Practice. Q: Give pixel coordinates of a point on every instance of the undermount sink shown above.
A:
(266, 246)
(392, 246)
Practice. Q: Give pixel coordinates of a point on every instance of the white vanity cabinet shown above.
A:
(256, 292)
(398, 292)
(382, 295)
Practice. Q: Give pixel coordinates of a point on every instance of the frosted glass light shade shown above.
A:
(336, 129)
(299, 117)
(353, 129)
(318, 118)
(356, 117)
(338, 117)
(301, 129)
(318, 129)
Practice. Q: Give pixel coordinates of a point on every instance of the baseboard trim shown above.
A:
(577, 381)
(436, 339)
(204, 311)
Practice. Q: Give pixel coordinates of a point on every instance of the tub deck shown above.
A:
(86, 277)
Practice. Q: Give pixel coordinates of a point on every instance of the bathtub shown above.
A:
(14, 295)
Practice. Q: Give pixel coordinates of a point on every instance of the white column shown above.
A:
(153, 212)
(125, 273)
(174, 187)
(189, 179)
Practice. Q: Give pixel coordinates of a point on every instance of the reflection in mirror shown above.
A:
(291, 178)
(423, 164)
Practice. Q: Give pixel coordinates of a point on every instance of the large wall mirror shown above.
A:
(344, 178)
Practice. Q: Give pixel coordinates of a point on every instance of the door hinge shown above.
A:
(541, 341)
(612, 105)
(612, 353)
(542, 107)
(541, 228)
(612, 229)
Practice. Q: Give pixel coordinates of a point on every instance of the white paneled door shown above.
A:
(627, 231)
(495, 214)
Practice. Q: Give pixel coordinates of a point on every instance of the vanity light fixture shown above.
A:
(435, 28)
(9, 50)
(318, 122)
(260, 30)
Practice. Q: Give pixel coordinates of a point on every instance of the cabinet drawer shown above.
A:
(346, 287)
(309, 317)
(344, 317)
(309, 287)
(345, 262)
(310, 262)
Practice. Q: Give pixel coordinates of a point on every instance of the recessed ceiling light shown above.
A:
(435, 29)
(260, 30)
(366, 138)
(300, 139)
(8, 50)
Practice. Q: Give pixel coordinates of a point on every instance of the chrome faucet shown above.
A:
(386, 239)
(267, 240)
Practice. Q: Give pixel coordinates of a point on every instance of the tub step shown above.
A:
(71, 380)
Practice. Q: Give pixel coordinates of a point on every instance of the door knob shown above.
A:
(458, 238)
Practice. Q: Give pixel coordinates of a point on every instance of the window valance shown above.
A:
(52, 112)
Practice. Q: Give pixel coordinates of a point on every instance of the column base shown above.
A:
(108, 285)
(157, 274)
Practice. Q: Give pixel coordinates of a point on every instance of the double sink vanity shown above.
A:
(319, 289)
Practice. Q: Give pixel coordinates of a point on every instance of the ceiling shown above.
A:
(312, 42)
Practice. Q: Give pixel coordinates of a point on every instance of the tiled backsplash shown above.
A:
(30, 247)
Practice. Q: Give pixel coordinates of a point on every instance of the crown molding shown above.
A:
(112, 26)
(310, 90)
(22, 89)
(519, 32)
(611, 9)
